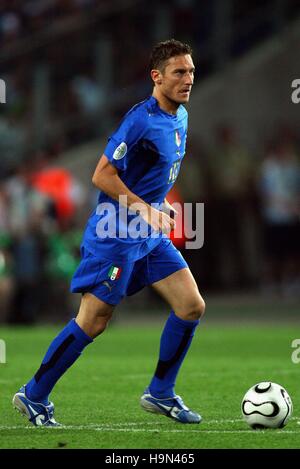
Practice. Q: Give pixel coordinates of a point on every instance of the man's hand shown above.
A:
(159, 220)
(169, 209)
(106, 178)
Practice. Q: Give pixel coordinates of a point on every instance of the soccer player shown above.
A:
(138, 168)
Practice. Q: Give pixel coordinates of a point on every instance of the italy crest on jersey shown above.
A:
(177, 138)
(114, 272)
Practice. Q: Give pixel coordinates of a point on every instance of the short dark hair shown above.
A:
(163, 51)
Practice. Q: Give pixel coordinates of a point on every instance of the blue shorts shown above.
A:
(110, 281)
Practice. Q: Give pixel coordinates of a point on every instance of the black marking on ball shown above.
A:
(283, 423)
(260, 390)
(274, 413)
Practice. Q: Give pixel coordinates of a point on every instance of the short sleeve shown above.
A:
(121, 142)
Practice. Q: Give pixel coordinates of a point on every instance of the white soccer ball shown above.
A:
(267, 405)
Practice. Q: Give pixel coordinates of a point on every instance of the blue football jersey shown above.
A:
(147, 149)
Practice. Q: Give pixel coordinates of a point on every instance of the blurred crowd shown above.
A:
(21, 18)
(252, 201)
(252, 224)
(55, 47)
(40, 238)
(252, 212)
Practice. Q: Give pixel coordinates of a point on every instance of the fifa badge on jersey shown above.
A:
(120, 151)
(114, 272)
(177, 138)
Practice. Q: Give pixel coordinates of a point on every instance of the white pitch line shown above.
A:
(96, 426)
(149, 430)
(128, 427)
(132, 427)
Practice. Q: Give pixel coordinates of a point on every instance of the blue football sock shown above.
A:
(62, 353)
(174, 344)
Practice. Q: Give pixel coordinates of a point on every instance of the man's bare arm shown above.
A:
(106, 178)
(169, 209)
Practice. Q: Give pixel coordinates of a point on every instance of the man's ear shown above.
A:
(156, 77)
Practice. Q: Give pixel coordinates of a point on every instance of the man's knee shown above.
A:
(94, 315)
(101, 322)
(193, 309)
(201, 307)
(196, 309)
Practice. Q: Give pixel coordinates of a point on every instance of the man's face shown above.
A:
(177, 79)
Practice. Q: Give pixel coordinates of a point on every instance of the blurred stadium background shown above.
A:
(73, 67)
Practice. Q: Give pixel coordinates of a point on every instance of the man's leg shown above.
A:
(181, 292)
(65, 349)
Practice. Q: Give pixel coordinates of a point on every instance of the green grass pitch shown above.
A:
(97, 400)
